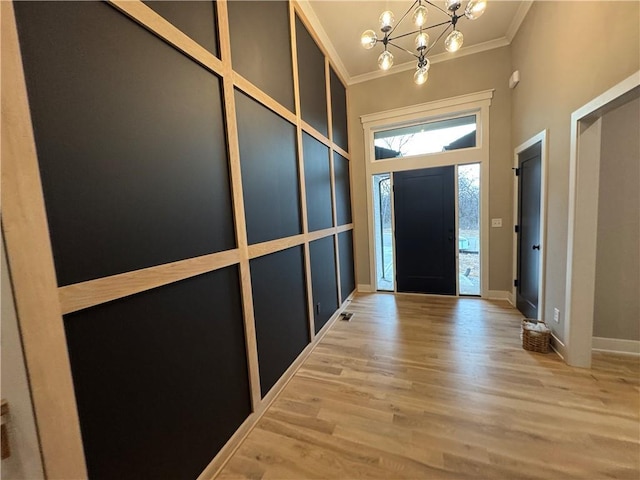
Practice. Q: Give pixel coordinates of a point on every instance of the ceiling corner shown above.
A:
(523, 9)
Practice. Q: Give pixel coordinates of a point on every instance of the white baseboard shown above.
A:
(616, 345)
(362, 288)
(499, 295)
(558, 346)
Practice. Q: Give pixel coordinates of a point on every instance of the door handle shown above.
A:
(536, 247)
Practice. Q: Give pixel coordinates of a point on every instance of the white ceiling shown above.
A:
(340, 23)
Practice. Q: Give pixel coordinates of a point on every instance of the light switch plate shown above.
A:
(496, 222)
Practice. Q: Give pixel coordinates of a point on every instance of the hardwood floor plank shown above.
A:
(429, 387)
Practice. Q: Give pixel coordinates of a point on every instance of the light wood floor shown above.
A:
(419, 387)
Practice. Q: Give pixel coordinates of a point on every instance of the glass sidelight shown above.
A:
(383, 232)
(469, 229)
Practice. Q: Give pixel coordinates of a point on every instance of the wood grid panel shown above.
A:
(78, 296)
(123, 192)
(25, 229)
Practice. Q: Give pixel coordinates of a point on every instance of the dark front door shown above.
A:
(529, 175)
(425, 230)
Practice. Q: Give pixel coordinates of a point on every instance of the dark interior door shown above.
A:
(529, 175)
(425, 230)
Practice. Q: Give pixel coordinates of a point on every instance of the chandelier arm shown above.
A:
(403, 16)
(423, 28)
(404, 50)
(436, 6)
(433, 44)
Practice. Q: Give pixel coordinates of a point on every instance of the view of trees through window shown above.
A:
(433, 137)
(469, 229)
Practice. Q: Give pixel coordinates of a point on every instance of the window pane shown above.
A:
(469, 229)
(432, 137)
(383, 231)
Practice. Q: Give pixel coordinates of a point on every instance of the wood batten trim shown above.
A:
(273, 246)
(254, 92)
(26, 232)
(336, 246)
(336, 70)
(307, 128)
(342, 152)
(235, 172)
(317, 235)
(303, 187)
(344, 228)
(157, 24)
(94, 292)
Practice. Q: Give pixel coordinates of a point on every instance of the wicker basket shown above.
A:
(532, 340)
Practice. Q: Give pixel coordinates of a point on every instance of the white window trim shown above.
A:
(475, 103)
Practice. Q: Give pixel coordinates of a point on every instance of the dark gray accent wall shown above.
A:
(323, 280)
(347, 273)
(269, 172)
(343, 189)
(311, 74)
(261, 47)
(338, 111)
(197, 19)
(160, 377)
(317, 177)
(280, 307)
(131, 142)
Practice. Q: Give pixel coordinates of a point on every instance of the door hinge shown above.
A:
(515, 283)
(516, 228)
(516, 171)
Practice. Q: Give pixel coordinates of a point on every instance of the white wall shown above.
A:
(617, 292)
(459, 76)
(24, 462)
(565, 60)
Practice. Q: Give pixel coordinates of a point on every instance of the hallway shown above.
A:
(426, 387)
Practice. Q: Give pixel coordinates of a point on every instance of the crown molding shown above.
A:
(514, 26)
(441, 57)
(518, 18)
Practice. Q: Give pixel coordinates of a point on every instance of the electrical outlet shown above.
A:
(556, 315)
(496, 222)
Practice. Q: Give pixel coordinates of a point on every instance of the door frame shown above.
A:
(542, 138)
(464, 105)
(584, 177)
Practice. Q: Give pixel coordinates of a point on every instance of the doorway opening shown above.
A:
(451, 133)
(464, 193)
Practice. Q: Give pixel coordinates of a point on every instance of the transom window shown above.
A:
(425, 138)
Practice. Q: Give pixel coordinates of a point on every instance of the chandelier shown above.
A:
(453, 42)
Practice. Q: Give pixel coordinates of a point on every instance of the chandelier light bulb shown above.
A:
(385, 60)
(418, 10)
(453, 42)
(475, 8)
(420, 16)
(421, 75)
(452, 5)
(386, 21)
(368, 39)
(422, 41)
